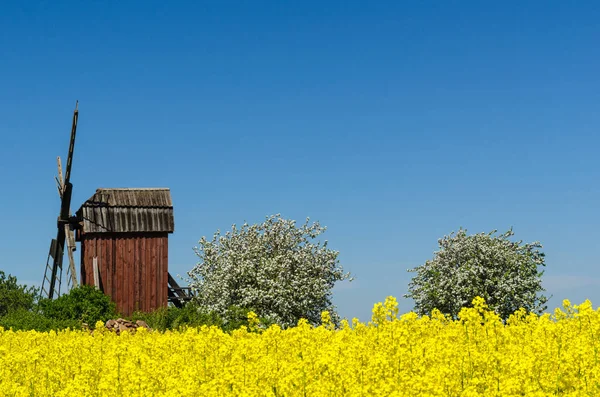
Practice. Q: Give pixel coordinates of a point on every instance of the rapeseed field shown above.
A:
(392, 355)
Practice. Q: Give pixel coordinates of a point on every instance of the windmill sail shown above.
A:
(54, 265)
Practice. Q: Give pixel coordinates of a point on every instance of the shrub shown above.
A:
(192, 315)
(13, 296)
(84, 303)
(27, 320)
(168, 318)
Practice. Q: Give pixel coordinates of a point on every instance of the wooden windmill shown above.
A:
(124, 244)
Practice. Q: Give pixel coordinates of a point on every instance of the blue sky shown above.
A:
(392, 123)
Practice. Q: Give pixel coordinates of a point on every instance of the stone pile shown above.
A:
(119, 325)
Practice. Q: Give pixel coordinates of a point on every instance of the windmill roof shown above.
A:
(128, 210)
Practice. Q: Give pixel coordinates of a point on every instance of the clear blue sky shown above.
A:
(392, 123)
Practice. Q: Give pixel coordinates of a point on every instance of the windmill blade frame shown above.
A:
(70, 236)
(64, 222)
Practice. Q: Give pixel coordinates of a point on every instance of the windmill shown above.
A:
(66, 224)
(123, 235)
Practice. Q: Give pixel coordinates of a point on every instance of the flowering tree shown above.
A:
(505, 273)
(273, 268)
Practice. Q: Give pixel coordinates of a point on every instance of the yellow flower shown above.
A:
(253, 320)
(325, 318)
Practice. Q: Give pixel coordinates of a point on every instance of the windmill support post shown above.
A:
(70, 249)
(96, 273)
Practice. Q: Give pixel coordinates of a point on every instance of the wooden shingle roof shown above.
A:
(128, 210)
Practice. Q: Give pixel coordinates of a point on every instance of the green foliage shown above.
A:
(505, 273)
(84, 303)
(13, 296)
(27, 320)
(172, 318)
(192, 315)
(236, 317)
(20, 309)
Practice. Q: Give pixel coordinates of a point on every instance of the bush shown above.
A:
(13, 296)
(235, 317)
(27, 320)
(172, 318)
(84, 303)
(192, 315)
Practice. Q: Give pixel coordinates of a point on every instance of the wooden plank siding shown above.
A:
(133, 268)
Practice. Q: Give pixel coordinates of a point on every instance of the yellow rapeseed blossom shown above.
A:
(392, 355)
(253, 321)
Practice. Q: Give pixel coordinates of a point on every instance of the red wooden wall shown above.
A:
(133, 268)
